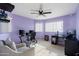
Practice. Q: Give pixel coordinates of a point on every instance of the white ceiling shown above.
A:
(57, 9)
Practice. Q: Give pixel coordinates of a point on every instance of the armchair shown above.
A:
(6, 51)
(21, 50)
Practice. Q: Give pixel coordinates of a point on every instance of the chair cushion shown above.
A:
(23, 49)
(13, 45)
(20, 45)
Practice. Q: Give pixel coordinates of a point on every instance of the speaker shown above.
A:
(7, 7)
(21, 32)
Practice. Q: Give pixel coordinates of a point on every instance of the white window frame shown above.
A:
(39, 27)
(54, 26)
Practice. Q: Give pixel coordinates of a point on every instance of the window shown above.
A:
(39, 27)
(5, 27)
(54, 26)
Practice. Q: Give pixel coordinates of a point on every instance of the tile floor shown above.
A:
(45, 48)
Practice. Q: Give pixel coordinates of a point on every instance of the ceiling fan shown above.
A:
(41, 11)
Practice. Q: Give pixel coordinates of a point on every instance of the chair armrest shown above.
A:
(5, 50)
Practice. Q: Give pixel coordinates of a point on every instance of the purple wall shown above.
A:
(19, 23)
(69, 24)
(27, 24)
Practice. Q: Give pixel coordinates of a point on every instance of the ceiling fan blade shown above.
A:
(41, 7)
(34, 13)
(35, 10)
(47, 12)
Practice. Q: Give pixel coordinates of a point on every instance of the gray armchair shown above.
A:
(21, 50)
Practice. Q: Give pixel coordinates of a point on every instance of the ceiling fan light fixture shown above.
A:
(41, 11)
